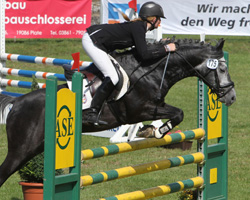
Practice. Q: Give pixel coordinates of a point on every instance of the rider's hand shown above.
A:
(165, 39)
(170, 47)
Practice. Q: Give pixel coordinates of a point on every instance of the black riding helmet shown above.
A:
(151, 9)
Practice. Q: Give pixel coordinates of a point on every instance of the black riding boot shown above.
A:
(102, 93)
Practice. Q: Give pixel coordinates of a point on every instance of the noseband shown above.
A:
(218, 89)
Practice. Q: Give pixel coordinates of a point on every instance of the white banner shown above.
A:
(224, 17)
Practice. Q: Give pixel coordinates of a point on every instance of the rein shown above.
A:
(145, 74)
(162, 79)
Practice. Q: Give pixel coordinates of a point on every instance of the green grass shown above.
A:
(182, 95)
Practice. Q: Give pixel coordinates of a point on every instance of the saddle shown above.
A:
(92, 79)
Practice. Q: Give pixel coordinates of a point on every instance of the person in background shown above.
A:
(100, 40)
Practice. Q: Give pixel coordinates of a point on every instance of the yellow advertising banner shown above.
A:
(214, 118)
(65, 129)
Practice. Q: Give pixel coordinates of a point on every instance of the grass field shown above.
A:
(183, 95)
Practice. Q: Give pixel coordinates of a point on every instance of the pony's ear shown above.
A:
(220, 44)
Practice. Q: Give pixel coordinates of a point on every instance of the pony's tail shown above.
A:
(6, 103)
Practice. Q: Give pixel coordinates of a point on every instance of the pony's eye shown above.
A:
(223, 68)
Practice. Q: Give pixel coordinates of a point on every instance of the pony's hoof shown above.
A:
(146, 131)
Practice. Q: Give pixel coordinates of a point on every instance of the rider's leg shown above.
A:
(102, 93)
(102, 61)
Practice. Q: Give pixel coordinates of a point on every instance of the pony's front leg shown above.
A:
(173, 114)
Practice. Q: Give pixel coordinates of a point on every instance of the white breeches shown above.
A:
(100, 58)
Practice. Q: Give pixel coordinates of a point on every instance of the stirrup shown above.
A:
(93, 118)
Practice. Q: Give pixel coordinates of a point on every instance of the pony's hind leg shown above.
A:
(20, 150)
(11, 164)
(22, 146)
(25, 135)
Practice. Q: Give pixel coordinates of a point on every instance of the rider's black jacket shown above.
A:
(110, 37)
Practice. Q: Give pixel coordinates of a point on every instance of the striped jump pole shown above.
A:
(141, 169)
(142, 144)
(195, 182)
(20, 84)
(30, 74)
(41, 60)
(26, 73)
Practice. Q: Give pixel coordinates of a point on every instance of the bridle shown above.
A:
(218, 89)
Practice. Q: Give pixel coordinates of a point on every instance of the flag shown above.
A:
(76, 58)
(132, 4)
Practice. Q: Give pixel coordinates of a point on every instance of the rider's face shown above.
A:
(154, 23)
(158, 22)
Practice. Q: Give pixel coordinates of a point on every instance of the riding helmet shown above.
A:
(151, 9)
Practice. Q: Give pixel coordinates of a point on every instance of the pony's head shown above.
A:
(209, 64)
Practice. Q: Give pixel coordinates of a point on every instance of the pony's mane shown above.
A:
(187, 45)
(191, 43)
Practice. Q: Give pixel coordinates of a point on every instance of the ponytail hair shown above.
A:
(127, 18)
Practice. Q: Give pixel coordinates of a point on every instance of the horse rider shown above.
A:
(99, 40)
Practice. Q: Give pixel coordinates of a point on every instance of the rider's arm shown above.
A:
(145, 53)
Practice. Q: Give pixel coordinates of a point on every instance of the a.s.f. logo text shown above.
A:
(64, 127)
